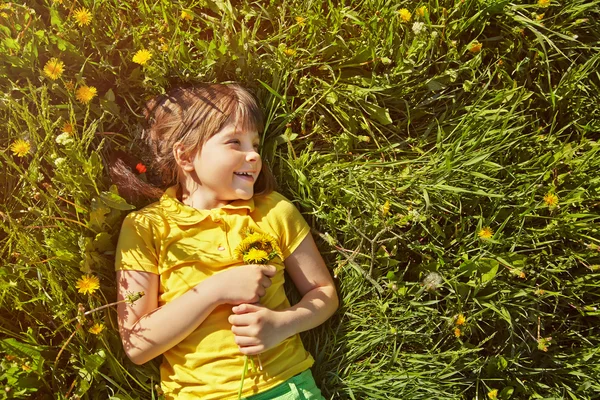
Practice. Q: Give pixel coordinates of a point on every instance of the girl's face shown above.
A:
(227, 166)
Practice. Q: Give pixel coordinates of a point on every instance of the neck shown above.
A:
(198, 199)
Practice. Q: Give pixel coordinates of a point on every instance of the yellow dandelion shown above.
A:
(421, 11)
(25, 367)
(385, 209)
(142, 57)
(164, 47)
(301, 21)
(85, 94)
(54, 68)
(88, 284)
(4, 15)
(96, 329)
(493, 394)
(544, 3)
(404, 14)
(20, 147)
(475, 46)
(486, 232)
(290, 52)
(539, 17)
(457, 332)
(258, 241)
(82, 16)
(256, 256)
(70, 85)
(551, 199)
(460, 319)
(186, 16)
(67, 128)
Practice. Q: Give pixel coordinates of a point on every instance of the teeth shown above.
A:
(243, 173)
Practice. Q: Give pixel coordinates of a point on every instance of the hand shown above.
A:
(256, 328)
(244, 284)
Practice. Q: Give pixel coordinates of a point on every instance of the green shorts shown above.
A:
(299, 387)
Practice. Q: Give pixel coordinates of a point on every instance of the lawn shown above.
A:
(445, 154)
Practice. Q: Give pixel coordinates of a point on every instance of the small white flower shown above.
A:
(60, 161)
(418, 27)
(64, 139)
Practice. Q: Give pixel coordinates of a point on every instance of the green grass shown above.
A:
(397, 142)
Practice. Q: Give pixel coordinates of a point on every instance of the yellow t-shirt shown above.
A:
(185, 246)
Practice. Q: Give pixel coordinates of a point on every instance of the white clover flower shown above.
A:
(418, 27)
(64, 139)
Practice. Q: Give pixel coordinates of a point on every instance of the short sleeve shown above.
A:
(287, 221)
(136, 248)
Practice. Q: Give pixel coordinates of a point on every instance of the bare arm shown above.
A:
(148, 330)
(319, 296)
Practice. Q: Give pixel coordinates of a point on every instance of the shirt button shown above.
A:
(220, 248)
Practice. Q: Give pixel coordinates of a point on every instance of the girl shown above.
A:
(204, 310)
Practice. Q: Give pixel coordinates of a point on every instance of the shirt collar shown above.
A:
(183, 214)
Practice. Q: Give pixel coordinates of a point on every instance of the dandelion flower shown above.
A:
(475, 46)
(142, 57)
(290, 52)
(544, 3)
(457, 332)
(493, 394)
(85, 94)
(432, 281)
(460, 319)
(258, 241)
(88, 284)
(256, 256)
(539, 17)
(404, 14)
(67, 128)
(54, 68)
(20, 147)
(141, 168)
(551, 199)
(300, 21)
(421, 11)
(96, 329)
(25, 367)
(70, 85)
(385, 209)
(82, 16)
(486, 232)
(186, 16)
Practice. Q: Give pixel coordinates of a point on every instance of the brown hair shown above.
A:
(189, 115)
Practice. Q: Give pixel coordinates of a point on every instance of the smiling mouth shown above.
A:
(245, 175)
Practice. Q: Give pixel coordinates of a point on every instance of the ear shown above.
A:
(183, 159)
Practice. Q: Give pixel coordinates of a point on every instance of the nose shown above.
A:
(252, 156)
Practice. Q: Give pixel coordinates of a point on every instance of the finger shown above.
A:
(265, 282)
(240, 320)
(269, 270)
(246, 341)
(252, 350)
(243, 330)
(245, 308)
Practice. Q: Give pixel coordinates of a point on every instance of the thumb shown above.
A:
(269, 270)
(246, 308)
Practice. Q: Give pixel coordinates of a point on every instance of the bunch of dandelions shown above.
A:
(256, 248)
